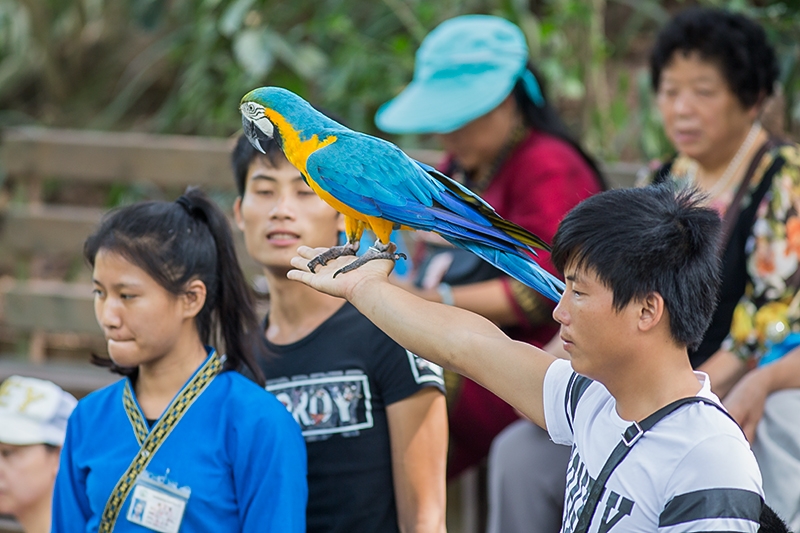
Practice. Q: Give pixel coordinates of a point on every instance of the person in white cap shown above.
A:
(33, 422)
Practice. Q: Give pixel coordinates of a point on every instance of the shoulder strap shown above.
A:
(172, 415)
(630, 437)
(761, 192)
(732, 214)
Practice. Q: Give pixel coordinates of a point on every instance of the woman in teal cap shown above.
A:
(475, 89)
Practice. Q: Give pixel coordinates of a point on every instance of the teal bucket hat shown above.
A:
(464, 68)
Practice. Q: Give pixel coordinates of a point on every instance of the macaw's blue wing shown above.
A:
(377, 179)
(472, 199)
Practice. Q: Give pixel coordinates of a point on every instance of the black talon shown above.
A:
(376, 251)
(333, 253)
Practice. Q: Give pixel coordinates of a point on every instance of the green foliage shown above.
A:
(181, 67)
(781, 20)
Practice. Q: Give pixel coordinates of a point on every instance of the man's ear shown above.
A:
(237, 213)
(652, 311)
(194, 298)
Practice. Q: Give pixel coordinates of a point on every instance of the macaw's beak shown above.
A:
(254, 134)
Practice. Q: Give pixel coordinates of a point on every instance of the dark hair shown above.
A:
(735, 43)
(175, 243)
(546, 119)
(645, 240)
(244, 153)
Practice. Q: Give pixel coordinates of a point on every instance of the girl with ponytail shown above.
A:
(183, 441)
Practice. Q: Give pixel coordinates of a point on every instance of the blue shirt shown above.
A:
(236, 447)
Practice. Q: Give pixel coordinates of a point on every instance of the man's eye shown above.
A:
(126, 296)
(265, 192)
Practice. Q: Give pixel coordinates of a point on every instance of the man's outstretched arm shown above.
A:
(451, 337)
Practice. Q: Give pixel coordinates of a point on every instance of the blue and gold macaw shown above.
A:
(375, 185)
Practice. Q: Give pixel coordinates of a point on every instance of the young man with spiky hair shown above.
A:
(642, 274)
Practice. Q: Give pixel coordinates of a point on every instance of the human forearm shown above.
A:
(724, 369)
(451, 337)
(460, 341)
(783, 373)
(446, 335)
(747, 397)
(418, 433)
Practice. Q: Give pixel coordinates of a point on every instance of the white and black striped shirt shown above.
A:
(692, 472)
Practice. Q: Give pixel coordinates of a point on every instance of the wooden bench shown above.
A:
(37, 311)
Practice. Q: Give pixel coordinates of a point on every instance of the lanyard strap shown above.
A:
(630, 437)
(153, 441)
(140, 429)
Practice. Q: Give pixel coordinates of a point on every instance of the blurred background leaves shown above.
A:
(181, 66)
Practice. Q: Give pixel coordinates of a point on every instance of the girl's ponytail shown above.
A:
(232, 312)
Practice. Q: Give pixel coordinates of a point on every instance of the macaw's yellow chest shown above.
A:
(297, 152)
(296, 149)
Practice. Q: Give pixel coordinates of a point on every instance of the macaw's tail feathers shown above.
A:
(518, 266)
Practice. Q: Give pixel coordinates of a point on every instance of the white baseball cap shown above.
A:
(33, 411)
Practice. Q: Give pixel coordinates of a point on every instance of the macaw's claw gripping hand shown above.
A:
(324, 277)
(376, 251)
(335, 252)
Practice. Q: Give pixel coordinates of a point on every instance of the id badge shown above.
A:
(158, 503)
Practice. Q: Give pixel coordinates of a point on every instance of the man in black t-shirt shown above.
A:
(372, 413)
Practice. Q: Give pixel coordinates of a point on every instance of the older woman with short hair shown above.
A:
(712, 71)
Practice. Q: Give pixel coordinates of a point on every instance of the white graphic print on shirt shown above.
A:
(614, 506)
(325, 405)
(424, 371)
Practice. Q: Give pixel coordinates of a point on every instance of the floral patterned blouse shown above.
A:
(768, 311)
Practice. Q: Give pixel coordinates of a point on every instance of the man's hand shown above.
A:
(342, 285)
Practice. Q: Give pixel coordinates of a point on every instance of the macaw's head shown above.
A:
(257, 127)
(268, 111)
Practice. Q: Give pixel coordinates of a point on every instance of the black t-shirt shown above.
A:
(337, 382)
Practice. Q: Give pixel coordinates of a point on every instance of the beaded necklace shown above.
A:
(724, 181)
